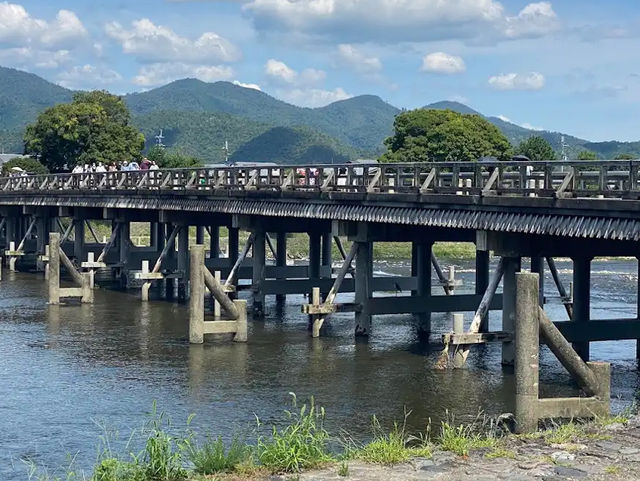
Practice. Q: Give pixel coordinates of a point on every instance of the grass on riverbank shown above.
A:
(297, 443)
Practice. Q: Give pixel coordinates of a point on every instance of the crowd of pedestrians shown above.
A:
(97, 167)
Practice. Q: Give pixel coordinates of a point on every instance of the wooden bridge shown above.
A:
(514, 210)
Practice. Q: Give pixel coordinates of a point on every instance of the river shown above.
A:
(68, 369)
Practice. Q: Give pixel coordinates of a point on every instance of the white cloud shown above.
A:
(27, 57)
(88, 76)
(247, 86)
(440, 62)
(156, 43)
(357, 60)
(534, 20)
(19, 28)
(282, 73)
(313, 97)
(162, 73)
(400, 20)
(527, 125)
(504, 118)
(517, 81)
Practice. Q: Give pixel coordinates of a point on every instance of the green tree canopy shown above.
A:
(171, 159)
(536, 148)
(587, 155)
(625, 157)
(28, 164)
(94, 127)
(444, 135)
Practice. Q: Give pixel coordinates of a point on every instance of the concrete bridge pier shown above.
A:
(78, 239)
(183, 263)
(281, 262)
(482, 280)
(259, 263)
(124, 246)
(214, 242)
(512, 265)
(363, 286)
(327, 258)
(582, 300)
(423, 273)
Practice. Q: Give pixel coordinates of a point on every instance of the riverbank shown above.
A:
(594, 452)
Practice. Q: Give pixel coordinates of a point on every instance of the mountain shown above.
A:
(293, 145)
(202, 134)
(198, 117)
(362, 122)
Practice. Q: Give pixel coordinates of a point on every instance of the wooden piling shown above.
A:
(196, 300)
(54, 268)
(526, 352)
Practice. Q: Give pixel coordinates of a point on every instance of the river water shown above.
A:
(67, 369)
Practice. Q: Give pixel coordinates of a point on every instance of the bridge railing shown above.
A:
(554, 178)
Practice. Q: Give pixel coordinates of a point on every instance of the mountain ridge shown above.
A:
(355, 127)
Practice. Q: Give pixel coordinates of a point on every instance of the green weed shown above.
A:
(343, 469)
(213, 457)
(301, 444)
(461, 439)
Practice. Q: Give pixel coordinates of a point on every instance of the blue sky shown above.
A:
(566, 65)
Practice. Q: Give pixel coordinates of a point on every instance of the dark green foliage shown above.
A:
(28, 164)
(625, 157)
(93, 128)
(172, 159)
(536, 148)
(444, 135)
(199, 134)
(587, 155)
(293, 145)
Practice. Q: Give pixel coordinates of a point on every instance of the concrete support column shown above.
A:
(234, 245)
(183, 262)
(54, 268)
(423, 272)
(259, 260)
(200, 234)
(196, 301)
(327, 258)
(315, 255)
(482, 281)
(537, 267)
(363, 281)
(527, 352)
(43, 224)
(214, 242)
(154, 235)
(281, 259)
(511, 267)
(582, 299)
(78, 242)
(414, 263)
(124, 243)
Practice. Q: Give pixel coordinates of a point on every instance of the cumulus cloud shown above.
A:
(440, 62)
(25, 57)
(162, 73)
(400, 20)
(88, 76)
(517, 81)
(156, 43)
(313, 97)
(19, 28)
(534, 20)
(247, 86)
(282, 73)
(357, 60)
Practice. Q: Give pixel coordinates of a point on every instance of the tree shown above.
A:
(170, 159)
(625, 156)
(94, 127)
(587, 155)
(28, 164)
(444, 135)
(536, 148)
